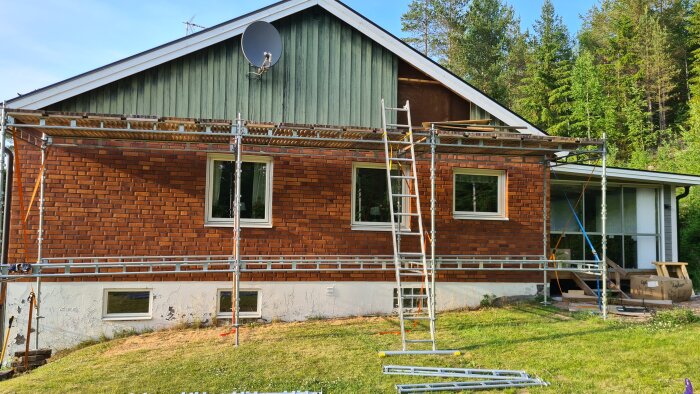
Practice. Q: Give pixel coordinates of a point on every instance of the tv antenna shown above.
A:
(262, 47)
(191, 27)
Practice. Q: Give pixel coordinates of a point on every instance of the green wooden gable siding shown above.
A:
(329, 74)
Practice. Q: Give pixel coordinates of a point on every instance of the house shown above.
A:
(138, 171)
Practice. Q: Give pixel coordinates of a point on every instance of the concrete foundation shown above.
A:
(73, 312)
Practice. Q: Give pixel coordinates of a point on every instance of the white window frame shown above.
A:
(502, 195)
(244, 315)
(224, 222)
(372, 226)
(127, 316)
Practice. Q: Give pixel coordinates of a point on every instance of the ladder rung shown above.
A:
(419, 341)
(399, 159)
(406, 233)
(395, 109)
(398, 125)
(414, 296)
(399, 142)
(405, 195)
(417, 318)
(405, 214)
(412, 253)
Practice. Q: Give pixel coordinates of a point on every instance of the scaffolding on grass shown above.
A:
(104, 131)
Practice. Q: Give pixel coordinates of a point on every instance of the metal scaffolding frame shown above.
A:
(107, 131)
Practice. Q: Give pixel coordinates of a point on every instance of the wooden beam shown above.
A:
(415, 80)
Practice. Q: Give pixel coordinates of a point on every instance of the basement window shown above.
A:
(249, 307)
(479, 194)
(370, 197)
(414, 298)
(256, 191)
(126, 304)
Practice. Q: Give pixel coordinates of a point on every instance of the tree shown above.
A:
(546, 85)
(485, 46)
(434, 27)
(589, 110)
(421, 24)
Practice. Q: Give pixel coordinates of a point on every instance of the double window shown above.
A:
(370, 197)
(256, 191)
(249, 304)
(126, 304)
(479, 194)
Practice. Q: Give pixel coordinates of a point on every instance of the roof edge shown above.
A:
(668, 178)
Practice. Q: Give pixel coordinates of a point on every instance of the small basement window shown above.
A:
(479, 194)
(249, 307)
(127, 304)
(414, 297)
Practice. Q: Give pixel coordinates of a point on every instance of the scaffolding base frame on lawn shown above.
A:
(103, 131)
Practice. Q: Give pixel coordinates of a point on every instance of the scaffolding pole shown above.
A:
(604, 236)
(433, 141)
(3, 285)
(40, 233)
(237, 230)
(545, 252)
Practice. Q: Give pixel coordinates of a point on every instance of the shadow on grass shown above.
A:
(541, 338)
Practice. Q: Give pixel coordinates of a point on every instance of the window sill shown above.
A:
(241, 315)
(243, 224)
(477, 217)
(374, 227)
(126, 318)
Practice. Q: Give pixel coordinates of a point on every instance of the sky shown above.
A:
(46, 41)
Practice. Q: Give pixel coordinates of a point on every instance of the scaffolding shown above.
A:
(103, 131)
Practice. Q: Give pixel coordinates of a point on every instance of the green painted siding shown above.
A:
(329, 74)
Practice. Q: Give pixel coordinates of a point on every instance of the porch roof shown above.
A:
(89, 126)
(629, 174)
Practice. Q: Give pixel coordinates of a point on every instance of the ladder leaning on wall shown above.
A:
(416, 311)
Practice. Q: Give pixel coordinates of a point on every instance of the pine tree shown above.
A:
(590, 114)
(435, 27)
(546, 85)
(420, 23)
(485, 46)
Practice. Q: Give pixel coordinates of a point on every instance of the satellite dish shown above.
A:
(262, 46)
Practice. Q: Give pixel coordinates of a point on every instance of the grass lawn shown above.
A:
(575, 354)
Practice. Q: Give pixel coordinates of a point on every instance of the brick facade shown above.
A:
(130, 202)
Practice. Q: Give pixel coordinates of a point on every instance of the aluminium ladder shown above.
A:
(410, 260)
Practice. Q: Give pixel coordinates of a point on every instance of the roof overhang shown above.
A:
(630, 175)
(44, 97)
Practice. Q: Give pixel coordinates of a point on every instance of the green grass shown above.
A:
(575, 353)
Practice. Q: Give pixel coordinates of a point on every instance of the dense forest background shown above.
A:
(631, 73)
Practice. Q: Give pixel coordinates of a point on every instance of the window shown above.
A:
(256, 191)
(414, 298)
(633, 222)
(249, 307)
(127, 304)
(479, 194)
(370, 197)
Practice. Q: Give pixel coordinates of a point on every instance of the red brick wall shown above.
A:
(104, 201)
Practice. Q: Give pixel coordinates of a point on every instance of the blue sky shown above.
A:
(45, 41)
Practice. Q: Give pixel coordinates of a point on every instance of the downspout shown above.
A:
(7, 206)
(686, 191)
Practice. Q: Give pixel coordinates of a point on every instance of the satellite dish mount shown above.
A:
(262, 47)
